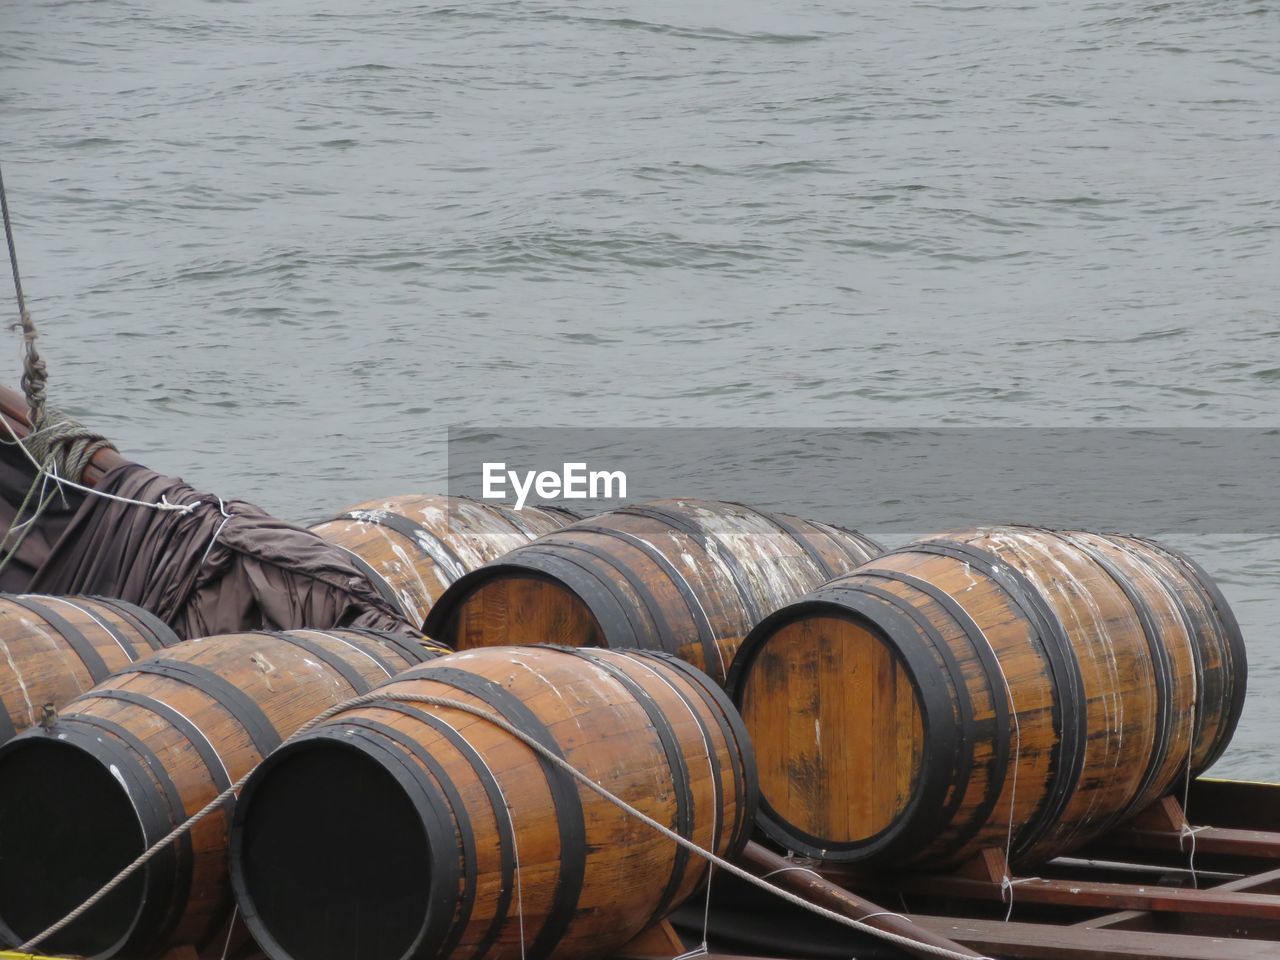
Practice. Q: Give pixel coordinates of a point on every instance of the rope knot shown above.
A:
(63, 445)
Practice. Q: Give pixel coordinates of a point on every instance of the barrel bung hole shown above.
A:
(836, 725)
(333, 858)
(67, 827)
(518, 609)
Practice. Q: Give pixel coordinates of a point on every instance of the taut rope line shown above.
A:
(35, 375)
(57, 445)
(550, 757)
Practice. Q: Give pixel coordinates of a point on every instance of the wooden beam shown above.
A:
(1162, 827)
(1212, 841)
(1042, 941)
(807, 884)
(1113, 896)
(1072, 866)
(1240, 885)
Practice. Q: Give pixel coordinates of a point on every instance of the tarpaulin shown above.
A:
(224, 567)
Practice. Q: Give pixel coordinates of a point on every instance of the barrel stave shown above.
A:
(1220, 668)
(1077, 657)
(647, 729)
(417, 545)
(686, 577)
(841, 549)
(188, 722)
(1172, 656)
(711, 615)
(1117, 682)
(54, 648)
(983, 695)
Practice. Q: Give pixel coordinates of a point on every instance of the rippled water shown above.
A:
(279, 247)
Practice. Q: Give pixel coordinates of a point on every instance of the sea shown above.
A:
(282, 248)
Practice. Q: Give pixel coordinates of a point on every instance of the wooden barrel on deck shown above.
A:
(690, 577)
(137, 755)
(54, 648)
(400, 830)
(1009, 681)
(412, 547)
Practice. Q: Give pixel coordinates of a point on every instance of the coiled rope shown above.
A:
(502, 724)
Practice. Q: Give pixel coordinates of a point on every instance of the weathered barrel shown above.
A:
(1004, 682)
(54, 648)
(690, 577)
(412, 547)
(420, 831)
(136, 756)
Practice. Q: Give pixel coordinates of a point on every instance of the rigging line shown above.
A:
(35, 374)
(13, 249)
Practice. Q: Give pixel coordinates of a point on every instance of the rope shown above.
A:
(1188, 830)
(790, 869)
(551, 757)
(231, 929)
(1007, 883)
(57, 445)
(35, 375)
(60, 445)
(54, 474)
(716, 788)
(226, 518)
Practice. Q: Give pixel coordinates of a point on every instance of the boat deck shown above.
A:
(1152, 888)
(1140, 891)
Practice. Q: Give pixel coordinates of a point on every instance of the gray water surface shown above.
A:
(278, 248)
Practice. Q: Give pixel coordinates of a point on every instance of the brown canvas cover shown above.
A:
(226, 566)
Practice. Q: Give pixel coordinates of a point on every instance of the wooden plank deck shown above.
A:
(1138, 892)
(1043, 941)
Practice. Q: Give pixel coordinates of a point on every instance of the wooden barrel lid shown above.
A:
(517, 608)
(849, 755)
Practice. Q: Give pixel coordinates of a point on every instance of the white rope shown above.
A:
(231, 927)
(52, 472)
(1006, 886)
(884, 913)
(790, 869)
(555, 760)
(1006, 882)
(1190, 831)
(716, 791)
(226, 518)
(1187, 830)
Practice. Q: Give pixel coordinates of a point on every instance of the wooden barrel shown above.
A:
(136, 756)
(690, 577)
(420, 831)
(1009, 681)
(54, 648)
(412, 547)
